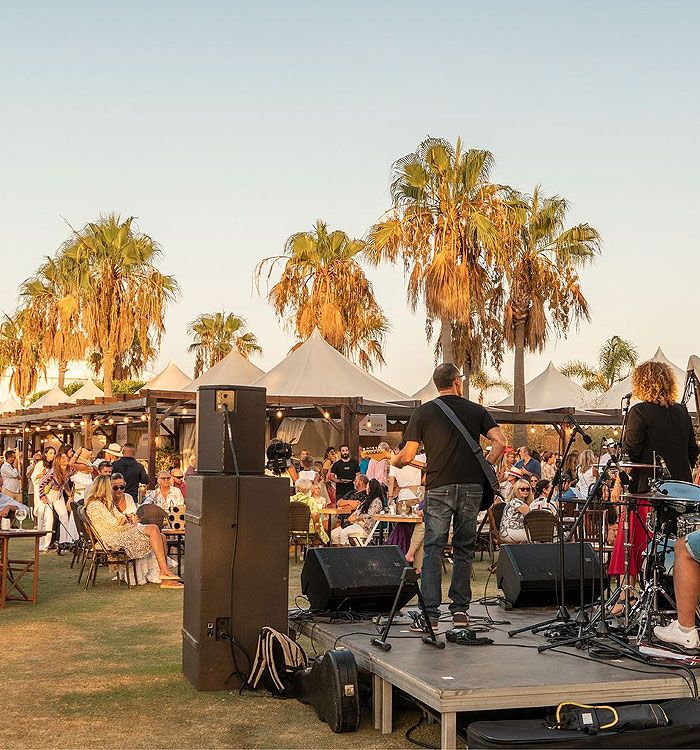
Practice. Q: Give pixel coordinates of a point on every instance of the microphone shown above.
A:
(627, 397)
(587, 439)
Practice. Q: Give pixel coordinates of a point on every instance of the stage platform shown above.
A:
(477, 678)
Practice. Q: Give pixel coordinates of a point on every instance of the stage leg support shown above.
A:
(387, 707)
(377, 700)
(448, 731)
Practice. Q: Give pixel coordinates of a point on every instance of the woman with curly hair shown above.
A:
(656, 427)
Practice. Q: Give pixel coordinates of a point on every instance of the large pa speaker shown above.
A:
(528, 574)
(358, 579)
(237, 553)
(244, 407)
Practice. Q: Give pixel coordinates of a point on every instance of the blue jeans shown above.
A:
(459, 503)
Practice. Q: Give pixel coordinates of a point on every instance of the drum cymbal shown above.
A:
(630, 465)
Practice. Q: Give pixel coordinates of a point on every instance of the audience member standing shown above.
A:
(133, 472)
(527, 462)
(379, 470)
(343, 472)
(54, 488)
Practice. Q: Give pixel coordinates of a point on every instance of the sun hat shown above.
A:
(83, 457)
(114, 449)
(515, 472)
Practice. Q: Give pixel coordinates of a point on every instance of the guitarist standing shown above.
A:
(455, 485)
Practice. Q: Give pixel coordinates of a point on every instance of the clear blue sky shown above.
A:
(225, 127)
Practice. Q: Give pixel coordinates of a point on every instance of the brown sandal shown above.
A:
(170, 584)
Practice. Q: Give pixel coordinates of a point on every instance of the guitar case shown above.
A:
(683, 730)
(330, 686)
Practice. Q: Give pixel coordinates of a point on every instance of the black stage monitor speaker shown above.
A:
(246, 411)
(528, 573)
(237, 547)
(358, 579)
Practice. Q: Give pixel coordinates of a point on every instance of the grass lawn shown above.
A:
(101, 669)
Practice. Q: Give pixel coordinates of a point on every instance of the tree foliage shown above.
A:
(322, 285)
(616, 359)
(215, 335)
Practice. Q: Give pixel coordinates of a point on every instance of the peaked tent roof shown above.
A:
(427, 393)
(51, 398)
(10, 404)
(87, 391)
(233, 369)
(551, 390)
(612, 398)
(317, 369)
(172, 378)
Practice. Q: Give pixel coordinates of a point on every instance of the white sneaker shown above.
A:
(673, 634)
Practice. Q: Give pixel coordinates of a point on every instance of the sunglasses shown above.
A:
(523, 489)
(119, 487)
(176, 476)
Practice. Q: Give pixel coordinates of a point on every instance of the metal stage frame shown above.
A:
(477, 678)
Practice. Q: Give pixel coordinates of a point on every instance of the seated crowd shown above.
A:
(64, 483)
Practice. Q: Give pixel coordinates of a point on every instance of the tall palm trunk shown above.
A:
(62, 368)
(446, 345)
(108, 371)
(467, 371)
(519, 430)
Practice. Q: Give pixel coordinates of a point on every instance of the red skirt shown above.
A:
(640, 536)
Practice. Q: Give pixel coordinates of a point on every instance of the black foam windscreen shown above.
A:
(528, 573)
(358, 579)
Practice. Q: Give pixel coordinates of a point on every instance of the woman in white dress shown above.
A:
(512, 530)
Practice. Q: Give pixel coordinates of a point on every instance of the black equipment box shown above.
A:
(683, 731)
(360, 579)
(528, 574)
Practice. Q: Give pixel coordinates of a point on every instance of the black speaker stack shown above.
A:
(237, 563)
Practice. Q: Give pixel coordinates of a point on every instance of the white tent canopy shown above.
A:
(51, 398)
(612, 398)
(317, 369)
(427, 393)
(551, 390)
(10, 404)
(233, 369)
(87, 391)
(172, 378)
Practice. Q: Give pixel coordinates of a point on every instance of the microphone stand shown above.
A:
(562, 617)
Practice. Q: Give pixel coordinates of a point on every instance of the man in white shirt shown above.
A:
(404, 483)
(11, 497)
(165, 495)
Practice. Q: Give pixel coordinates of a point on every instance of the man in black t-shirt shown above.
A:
(454, 487)
(344, 471)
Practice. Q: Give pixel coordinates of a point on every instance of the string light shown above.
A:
(110, 421)
(126, 420)
(279, 413)
(532, 429)
(184, 411)
(82, 423)
(96, 423)
(17, 431)
(36, 429)
(326, 415)
(72, 424)
(369, 424)
(143, 417)
(26, 429)
(59, 426)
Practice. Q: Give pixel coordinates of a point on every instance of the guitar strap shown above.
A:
(492, 487)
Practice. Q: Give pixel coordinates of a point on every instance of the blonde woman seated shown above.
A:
(118, 531)
(305, 493)
(512, 530)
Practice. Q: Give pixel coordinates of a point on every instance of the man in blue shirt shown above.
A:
(527, 462)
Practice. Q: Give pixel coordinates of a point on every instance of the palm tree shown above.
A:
(122, 294)
(483, 383)
(52, 312)
(21, 353)
(215, 335)
(129, 364)
(616, 359)
(322, 285)
(446, 227)
(541, 272)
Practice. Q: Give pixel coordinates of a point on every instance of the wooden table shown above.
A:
(330, 512)
(12, 571)
(391, 518)
(176, 537)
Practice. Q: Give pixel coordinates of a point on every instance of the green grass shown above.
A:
(101, 669)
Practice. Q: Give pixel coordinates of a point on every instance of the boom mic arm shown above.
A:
(587, 439)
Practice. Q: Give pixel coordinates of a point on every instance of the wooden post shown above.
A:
(350, 429)
(152, 413)
(87, 432)
(25, 463)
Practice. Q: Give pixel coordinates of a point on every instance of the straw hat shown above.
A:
(114, 449)
(83, 457)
